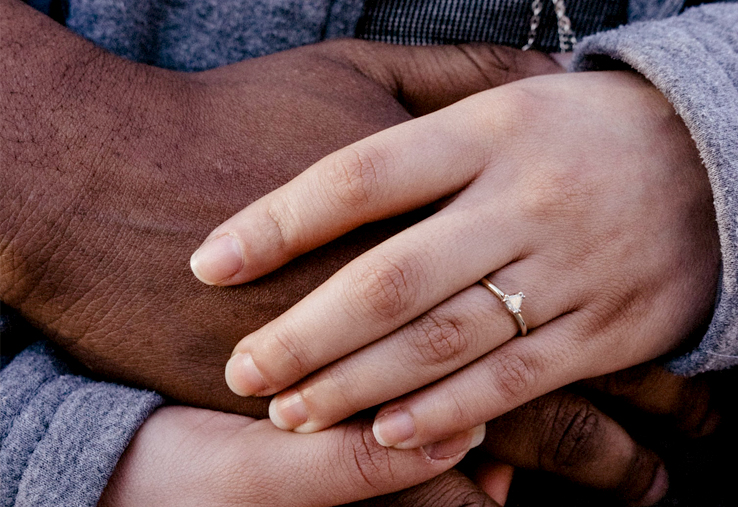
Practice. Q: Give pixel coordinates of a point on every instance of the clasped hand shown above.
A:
(584, 191)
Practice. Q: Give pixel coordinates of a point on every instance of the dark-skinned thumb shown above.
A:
(427, 78)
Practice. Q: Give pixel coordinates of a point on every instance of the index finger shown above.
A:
(387, 174)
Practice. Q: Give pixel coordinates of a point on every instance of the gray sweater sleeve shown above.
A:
(693, 60)
(61, 434)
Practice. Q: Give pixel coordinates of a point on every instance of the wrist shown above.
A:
(68, 111)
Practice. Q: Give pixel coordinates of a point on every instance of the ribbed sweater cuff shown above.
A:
(61, 435)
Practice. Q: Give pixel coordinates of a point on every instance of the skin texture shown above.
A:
(117, 171)
(569, 433)
(581, 432)
(185, 456)
(87, 144)
(583, 190)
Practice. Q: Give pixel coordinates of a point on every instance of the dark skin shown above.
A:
(116, 172)
(597, 433)
(133, 166)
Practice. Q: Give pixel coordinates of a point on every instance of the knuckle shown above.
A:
(285, 350)
(356, 176)
(513, 376)
(457, 407)
(489, 63)
(387, 289)
(438, 339)
(518, 109)
(278, 230)
(368, 463)
(494, 60)
(343, 380)
(574, 437)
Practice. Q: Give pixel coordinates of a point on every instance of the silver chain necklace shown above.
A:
(567, 39)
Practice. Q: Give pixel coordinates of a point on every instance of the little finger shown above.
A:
(512, 374)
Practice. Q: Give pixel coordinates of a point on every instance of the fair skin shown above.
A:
(187, 456)
(584, 191)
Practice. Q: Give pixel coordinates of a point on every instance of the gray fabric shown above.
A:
(203, 34)
(61, 434)
(693, 60)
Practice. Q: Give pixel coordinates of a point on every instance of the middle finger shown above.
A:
(375, 294)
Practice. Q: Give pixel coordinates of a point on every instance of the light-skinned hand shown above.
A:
(584, 191)
(185, 456)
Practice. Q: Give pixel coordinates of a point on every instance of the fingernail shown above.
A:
(217, 260)
(659, 487)
(393, 428)
(242, 375)
(287, 411)
(457, 444)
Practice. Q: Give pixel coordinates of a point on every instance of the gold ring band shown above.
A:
(512, 303)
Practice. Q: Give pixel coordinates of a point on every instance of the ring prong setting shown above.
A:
(514, 301)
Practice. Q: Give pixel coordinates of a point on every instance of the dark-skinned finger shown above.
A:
(687, 402)
(425, 79)
(565, 434)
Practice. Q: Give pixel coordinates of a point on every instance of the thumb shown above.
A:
(428, 78)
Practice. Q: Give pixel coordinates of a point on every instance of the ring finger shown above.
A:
(448, 337)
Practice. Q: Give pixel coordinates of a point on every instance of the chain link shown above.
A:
(535, 20)
(567, 39)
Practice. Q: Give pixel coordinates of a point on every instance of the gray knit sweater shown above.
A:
(61, 434)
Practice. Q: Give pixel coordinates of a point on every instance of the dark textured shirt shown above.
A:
(506, 22)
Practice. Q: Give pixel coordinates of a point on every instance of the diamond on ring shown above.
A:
(512, 303)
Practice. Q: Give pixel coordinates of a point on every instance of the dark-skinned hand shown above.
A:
(114, 172)
(602, 432)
